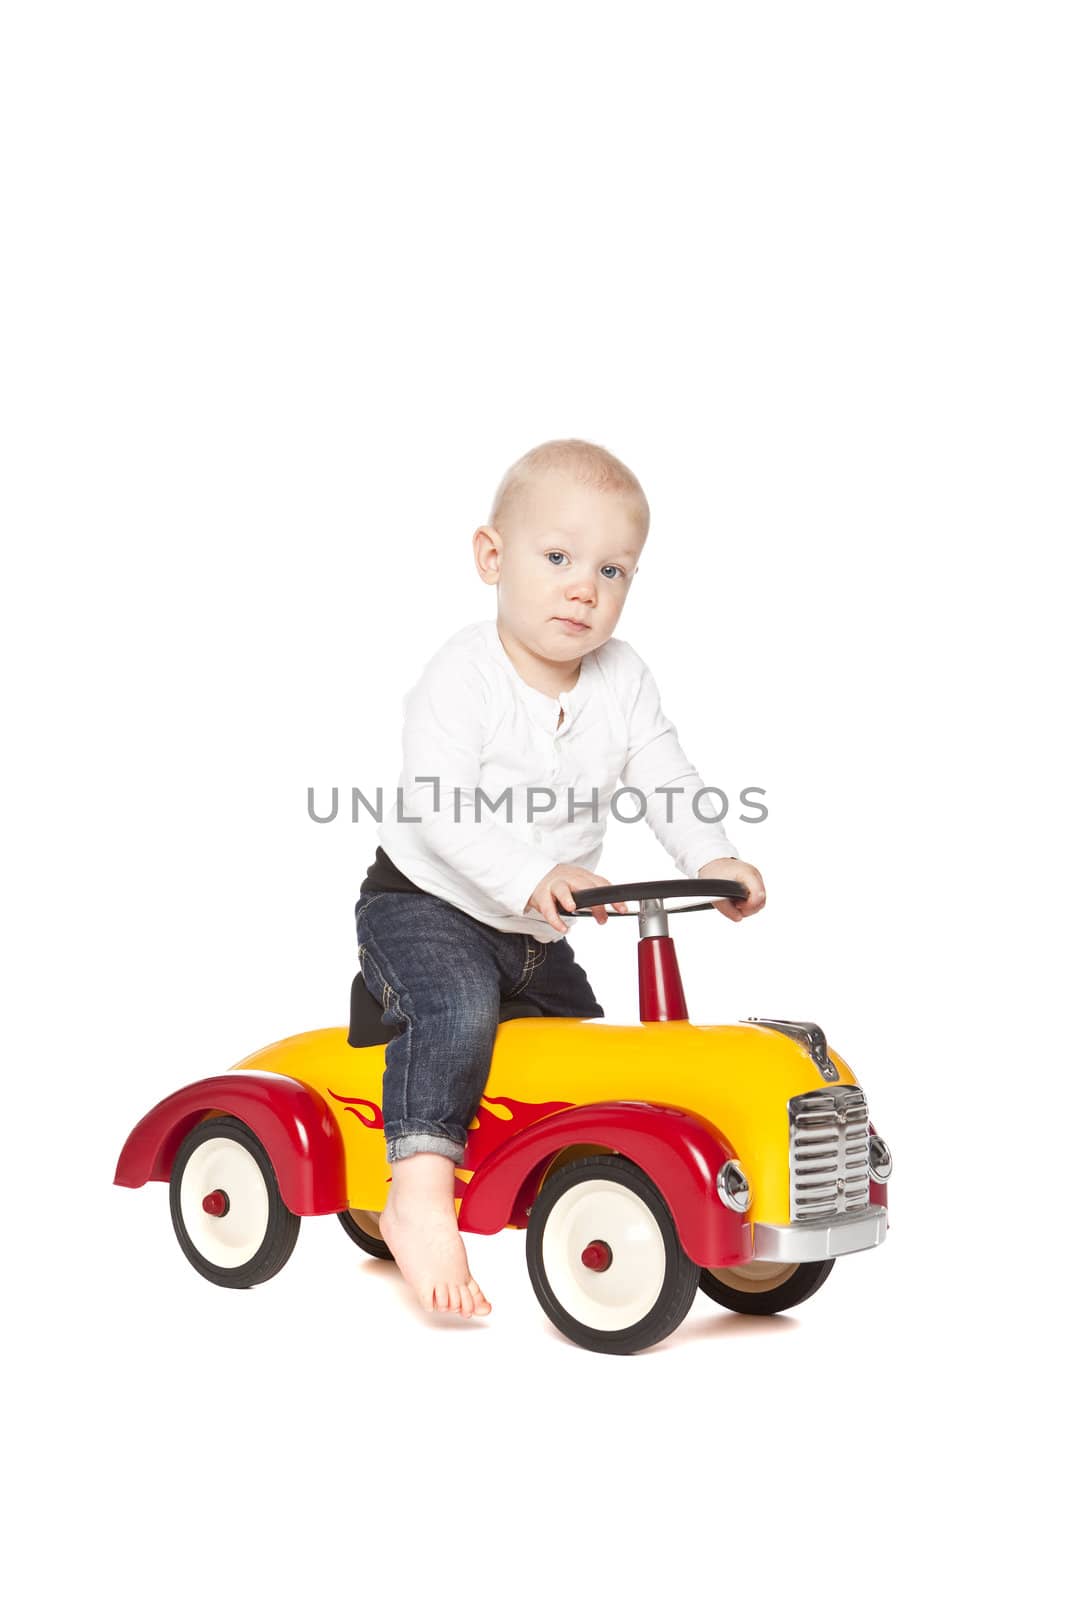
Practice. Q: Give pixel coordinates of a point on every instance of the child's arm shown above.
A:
(656, 761)
(443, 735)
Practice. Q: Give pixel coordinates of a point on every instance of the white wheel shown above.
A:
(604, 1256)
(604, 1285)
(761, 1288)
(226, 1207)
(756, 1277)
(224, 1203)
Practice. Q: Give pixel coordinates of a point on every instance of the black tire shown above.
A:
(372, 1243)
(271, 1229)
(801, 1282)
(604, 1216)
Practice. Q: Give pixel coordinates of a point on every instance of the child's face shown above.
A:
(563, 565)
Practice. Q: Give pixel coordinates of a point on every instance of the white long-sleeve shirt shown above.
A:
(471, 722)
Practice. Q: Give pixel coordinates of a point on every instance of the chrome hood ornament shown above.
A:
(810, 1035)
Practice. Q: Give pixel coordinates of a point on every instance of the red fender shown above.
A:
(292, 1122)
(681, 1153)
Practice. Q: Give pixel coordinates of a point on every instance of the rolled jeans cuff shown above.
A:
(412, 1144)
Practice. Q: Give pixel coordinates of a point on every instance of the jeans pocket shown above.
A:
(381, 991)
(371, 975)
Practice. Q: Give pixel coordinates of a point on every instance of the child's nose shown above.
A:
(582, 589)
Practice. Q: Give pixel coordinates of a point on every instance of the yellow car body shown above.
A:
(739, 1078)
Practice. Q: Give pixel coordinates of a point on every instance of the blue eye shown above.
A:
(552, 554)
(612, 572)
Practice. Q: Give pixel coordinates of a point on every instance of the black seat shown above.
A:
(365, 1018)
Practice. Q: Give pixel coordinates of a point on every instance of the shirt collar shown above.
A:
(544, 708)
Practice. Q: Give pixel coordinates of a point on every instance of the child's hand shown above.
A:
(558, 885)
(737, 872)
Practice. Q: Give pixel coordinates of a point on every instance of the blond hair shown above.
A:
(580, 460)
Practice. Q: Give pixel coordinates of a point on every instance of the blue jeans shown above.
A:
(440, 976)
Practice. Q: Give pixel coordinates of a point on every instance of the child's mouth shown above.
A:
(572, 627)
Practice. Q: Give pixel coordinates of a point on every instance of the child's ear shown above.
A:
(487, 549)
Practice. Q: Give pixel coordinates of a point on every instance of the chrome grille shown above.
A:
(828, 1153)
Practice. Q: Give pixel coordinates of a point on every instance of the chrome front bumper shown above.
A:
(818, 1241)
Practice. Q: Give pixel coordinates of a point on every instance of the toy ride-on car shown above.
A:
(644, 1161)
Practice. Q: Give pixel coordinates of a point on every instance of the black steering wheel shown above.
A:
(709, 890)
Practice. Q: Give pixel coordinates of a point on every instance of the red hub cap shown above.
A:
(217, 1203)
(597, 1256)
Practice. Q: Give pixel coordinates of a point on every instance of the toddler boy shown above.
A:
(543, 708)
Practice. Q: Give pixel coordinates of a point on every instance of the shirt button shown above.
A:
(537, 836)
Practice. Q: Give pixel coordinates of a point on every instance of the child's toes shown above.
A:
(439, 1298)
(481, 1305)
(453, 1299)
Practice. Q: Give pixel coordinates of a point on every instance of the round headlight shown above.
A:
(880, 1160)
(732, 1186)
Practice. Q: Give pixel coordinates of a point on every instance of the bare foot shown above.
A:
(419, 1226)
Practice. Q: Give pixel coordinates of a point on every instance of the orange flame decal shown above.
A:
(490, 1129)
(350, 1103)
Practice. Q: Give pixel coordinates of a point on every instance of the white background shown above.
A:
(287, 288)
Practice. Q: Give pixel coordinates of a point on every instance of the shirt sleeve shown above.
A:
(445, 718)
(656, 761)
